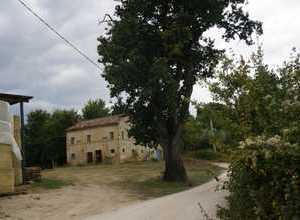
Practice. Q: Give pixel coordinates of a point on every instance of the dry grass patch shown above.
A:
(142, 179)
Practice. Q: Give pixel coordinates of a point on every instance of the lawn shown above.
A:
(142, 179)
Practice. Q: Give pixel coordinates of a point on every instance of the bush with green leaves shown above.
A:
(264, 181)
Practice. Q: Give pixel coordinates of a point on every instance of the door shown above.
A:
(90, 157)
(98, 156)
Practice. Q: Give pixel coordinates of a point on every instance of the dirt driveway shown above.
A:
(72, 202)
(92, 190)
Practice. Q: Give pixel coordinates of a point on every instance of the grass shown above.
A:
(140, 179)
(46, 183)
(199, 172)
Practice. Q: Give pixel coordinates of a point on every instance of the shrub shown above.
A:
(207, 154)
(264, 181)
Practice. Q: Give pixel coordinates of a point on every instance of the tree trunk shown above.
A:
(174, 166)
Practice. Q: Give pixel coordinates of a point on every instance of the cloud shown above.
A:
(35, 62)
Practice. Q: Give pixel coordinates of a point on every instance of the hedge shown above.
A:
(264, 181)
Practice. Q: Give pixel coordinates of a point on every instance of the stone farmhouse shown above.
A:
(104, 140)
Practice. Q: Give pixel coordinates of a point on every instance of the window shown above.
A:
(72, 140)
(111, 134)
(123, 136)
(123, 150)
(88, 139)
(73, 156)
(90, 157)
(112, 151)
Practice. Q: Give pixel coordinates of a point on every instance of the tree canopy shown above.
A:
(260, 100)
(45, 136)
(155, 51)
(95, 109)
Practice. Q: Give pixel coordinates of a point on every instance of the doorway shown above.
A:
(90, 157)
(98, 156)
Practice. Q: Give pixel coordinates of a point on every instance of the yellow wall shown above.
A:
(7, 175)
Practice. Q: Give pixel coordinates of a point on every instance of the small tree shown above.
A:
(35, 134)
(95, 109)
(155, 52)
(46, 137)
(56, 138)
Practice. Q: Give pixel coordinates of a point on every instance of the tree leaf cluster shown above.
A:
(264, 181)
(95, 109)
(45, 137)
(260, 100)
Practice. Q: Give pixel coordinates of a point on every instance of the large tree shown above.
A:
(155, 51)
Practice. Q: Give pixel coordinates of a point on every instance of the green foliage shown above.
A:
(119, 107)
(45, 137)
(56, 138)
(264, 181)
(95, 109)
(212, 128)
(208, 154)
(192, 136)
(35, 134)
(259, 100)
(155, 51)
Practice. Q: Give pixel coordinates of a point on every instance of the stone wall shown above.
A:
(117, 150)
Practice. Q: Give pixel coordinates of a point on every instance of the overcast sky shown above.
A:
(35, 62)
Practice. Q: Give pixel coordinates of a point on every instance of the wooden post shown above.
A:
(23, 149)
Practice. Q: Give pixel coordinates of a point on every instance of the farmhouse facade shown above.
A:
(104, 140)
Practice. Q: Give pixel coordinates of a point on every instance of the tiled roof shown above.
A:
(98, 122)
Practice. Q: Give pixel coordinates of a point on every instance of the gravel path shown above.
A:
(195, 204)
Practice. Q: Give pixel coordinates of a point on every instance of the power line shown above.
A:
(58, 34)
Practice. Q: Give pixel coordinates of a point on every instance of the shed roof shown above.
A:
(14, 99)
(98, 122)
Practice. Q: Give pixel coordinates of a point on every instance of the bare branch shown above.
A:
(107, 19)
